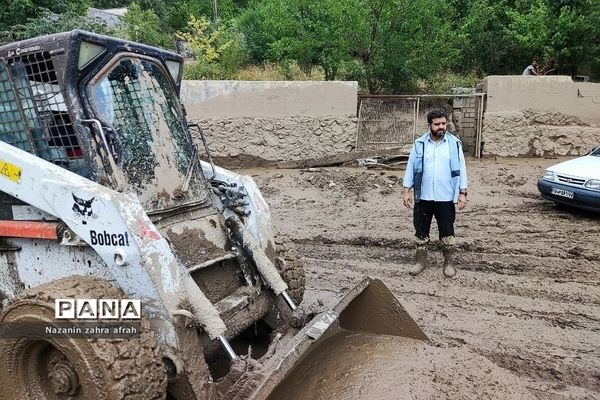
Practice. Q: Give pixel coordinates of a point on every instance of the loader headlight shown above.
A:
(593, 184)
(548, 175)
(174, 68)
(87, 53)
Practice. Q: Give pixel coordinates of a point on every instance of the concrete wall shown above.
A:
(540, 116)
(250, 123)
(259, 122)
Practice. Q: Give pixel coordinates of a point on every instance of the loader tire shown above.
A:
(61, 367)
(291, 268)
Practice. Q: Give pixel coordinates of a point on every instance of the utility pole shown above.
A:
(215, 11)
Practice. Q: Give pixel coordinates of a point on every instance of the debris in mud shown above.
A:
(506, 178)
(528, 288)
(337, 159)
(357, 183)
(395, 162)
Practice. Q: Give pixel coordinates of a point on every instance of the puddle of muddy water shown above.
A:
(355, 366)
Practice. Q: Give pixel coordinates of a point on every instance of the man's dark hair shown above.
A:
(431, 115)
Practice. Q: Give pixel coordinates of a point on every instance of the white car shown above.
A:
(574, 183)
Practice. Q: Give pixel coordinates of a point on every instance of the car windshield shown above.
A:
(596, 152)
(137, 101)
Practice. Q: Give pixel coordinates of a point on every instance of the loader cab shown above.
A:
(106, 109)
(33, 111)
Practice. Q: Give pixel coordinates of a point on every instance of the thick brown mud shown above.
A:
(527, 293)
(356, 366)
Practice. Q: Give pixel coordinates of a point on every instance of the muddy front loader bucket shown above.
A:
(368, 309)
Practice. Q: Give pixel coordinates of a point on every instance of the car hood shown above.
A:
(584, 167)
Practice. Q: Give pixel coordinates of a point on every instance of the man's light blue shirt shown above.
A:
(437, 182)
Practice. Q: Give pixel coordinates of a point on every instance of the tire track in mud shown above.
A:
(527, 293)
(516, 287)
(525, 266)
(540, 332)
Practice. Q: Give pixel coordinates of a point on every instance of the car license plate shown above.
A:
(562, 193)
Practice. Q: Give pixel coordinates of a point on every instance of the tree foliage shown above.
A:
(482, 42)
(145, 26)
(216, 50)
(528, 30)
(401, 41)
(389, 46)
(24, 19)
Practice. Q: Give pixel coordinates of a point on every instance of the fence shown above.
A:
(395, 121)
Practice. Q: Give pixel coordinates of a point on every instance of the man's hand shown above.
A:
(462, 201)
(407, 198)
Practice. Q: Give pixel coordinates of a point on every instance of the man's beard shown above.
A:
(437, 134)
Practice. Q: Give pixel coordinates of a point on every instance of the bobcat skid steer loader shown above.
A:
(105, 201)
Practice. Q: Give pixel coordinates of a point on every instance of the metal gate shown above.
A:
(386, 121)
(395, 121)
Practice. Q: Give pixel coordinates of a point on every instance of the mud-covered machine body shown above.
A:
(104, 195)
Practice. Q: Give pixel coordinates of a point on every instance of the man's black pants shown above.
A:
(425, 210)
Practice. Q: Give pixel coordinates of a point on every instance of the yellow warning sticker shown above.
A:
(10, 171)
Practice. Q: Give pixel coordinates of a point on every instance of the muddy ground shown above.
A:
(527, 294)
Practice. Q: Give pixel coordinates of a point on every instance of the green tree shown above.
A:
(400, 41)
(394, 41)
(528, 30)
(387, 45)
(205, 41)
(305, 31)
(178, 15)
(24, 19)
(48, 23)
(482, 39)
(311, 35)
(233, 56)
(146, 27)
(18, 12)
(369, 27)
(261, 24)
(217, 50)
(574, 36)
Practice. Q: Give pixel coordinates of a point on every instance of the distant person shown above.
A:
(437, 175)
(550, 69)
(532, 69)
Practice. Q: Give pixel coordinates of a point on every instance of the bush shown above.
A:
(443, 82)
(234, 56)
(144, 26)
(287, 71)
(48, 23)
(217, 51)
(292, 71)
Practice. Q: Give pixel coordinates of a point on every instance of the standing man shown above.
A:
(437, 174)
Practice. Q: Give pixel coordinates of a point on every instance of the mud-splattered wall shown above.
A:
(540, 116)
(260, 122)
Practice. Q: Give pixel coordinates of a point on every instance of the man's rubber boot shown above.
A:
(420, 262)
(449, 270)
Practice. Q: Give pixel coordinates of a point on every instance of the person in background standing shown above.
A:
(436, 174)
